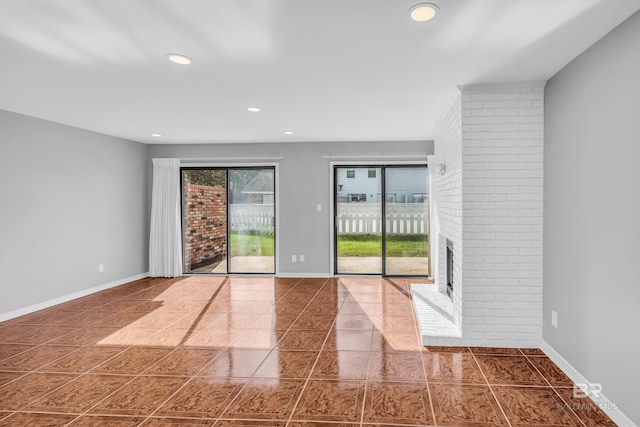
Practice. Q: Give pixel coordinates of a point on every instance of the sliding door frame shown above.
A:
(333, 229)
(276, 207)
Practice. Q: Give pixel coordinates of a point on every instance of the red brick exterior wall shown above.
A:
(205, 231)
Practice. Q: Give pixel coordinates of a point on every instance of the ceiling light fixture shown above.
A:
(423, 12)
(176, 58)
(288, 132)
(253, 109)
(156, 135)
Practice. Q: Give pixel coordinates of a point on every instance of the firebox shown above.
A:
(450, 269)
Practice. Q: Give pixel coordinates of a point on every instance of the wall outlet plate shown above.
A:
(554, 319)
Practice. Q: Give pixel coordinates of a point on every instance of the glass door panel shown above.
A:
(204, 220)
(251, 220)
(358, 220)
(406, 221)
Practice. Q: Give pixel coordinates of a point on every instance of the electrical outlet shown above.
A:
(554, 319)
(319, 208)
(301, 258)
(100, 268)
(294, 258)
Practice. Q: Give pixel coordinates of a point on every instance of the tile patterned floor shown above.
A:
(238, 351)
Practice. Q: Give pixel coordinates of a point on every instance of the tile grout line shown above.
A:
(366, 386)
(76, 376)
(490, 388)
(369, 362)
(299, 314)
(24, 373)
(329, 285)
(86, 411)
(15, 322)
(21, 408)
(249, 379)
(569, 406)
(134, 377)
(182, 300)
(195, 375)
(315, 362)
(554, 390)
(424, 366)
(147, 417)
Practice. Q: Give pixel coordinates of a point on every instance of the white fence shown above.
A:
(365, 218)
(251, 217)
(352, 218)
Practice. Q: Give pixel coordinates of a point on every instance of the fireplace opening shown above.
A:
(450, 269)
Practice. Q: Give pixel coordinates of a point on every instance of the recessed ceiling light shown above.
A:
(157, 135)
(422, 12)
(176, 58)
(288, 132)
(253, 109)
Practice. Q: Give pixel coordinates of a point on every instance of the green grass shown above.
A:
(404, 245)
(251, 244)
(262, 244)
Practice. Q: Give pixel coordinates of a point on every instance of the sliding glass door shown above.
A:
(381, 220)
(228, 219)
(204, 220)
(252, 226)
(406, 221)
(358, 216)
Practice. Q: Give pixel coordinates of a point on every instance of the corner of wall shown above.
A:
(446, 200)
(488, 203)
(502, 162)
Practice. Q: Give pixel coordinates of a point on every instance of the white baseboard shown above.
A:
(607, 406)
(304, 275)
(55, 301)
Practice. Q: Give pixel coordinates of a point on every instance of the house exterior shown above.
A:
(364, 185)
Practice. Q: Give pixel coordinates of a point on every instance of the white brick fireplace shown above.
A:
(488, 202)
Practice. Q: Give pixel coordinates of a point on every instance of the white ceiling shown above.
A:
(328, 70)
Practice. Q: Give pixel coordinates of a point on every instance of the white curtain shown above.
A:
(165, 242)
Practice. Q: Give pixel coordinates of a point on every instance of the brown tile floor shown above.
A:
(238, 351)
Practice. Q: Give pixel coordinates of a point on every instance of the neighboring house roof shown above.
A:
(262, 183)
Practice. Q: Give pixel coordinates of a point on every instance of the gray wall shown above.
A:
(69, 200)
(303, 184)
(592, 214)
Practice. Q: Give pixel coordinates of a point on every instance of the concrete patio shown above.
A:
(410, 266)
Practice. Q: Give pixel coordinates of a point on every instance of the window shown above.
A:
(391, 198)
(420, 197)
(351, 173)
(355, 198)
(372, 173)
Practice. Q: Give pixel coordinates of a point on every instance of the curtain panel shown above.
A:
(165, 240)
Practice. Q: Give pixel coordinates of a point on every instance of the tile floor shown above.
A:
(238, 351)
